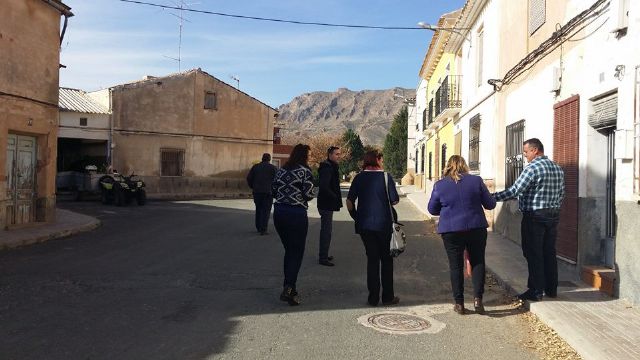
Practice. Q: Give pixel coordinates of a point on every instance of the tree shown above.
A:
(354, 149)
(395, 145)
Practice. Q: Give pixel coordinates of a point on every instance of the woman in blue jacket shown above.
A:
(459, 199)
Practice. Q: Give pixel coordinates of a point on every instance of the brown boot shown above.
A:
(459, 308)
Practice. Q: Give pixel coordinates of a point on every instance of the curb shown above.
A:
(94, 224)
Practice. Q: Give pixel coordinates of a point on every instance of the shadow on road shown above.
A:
(182, 280)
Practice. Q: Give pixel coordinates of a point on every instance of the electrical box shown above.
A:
(624, 144)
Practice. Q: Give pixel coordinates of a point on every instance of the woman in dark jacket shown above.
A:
(459, 199)
(373, 223)
(292, 188)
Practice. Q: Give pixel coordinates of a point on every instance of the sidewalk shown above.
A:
(67, 223)
(597, 326)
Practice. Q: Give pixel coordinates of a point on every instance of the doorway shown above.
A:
(21, 179)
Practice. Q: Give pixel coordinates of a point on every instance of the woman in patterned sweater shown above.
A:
(292, 188)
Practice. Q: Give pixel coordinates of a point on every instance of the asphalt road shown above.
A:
(192, 280)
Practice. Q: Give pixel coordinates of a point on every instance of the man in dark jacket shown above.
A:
(259, 179)
(329, 200)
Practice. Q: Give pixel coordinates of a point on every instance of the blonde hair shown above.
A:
(456, 166)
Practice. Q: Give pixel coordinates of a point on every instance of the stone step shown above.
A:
(600, 277)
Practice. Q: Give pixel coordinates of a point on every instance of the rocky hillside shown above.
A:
(368, 112)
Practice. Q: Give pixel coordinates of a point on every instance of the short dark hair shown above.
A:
(299, 156)
(371, 158)
(536, 143)
(331, 149)
(266, 157)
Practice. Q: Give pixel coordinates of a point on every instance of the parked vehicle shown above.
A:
(82, 184)
(119, 189)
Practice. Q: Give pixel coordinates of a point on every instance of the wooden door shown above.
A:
(21, 179)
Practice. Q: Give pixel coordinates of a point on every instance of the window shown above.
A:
(430, 165)
(416, 161)
(171, 162)
(537, 14)
(514, 159)
(210, 100)
(443, 159)
(422, 160)
(474, 143)
(480, 55)
(83, 121)
(275, 162)
(424, 119)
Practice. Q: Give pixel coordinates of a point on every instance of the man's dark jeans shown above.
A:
(539, 230)
(291, 223)
(475, 241)
(326, 224)
(263, 203)
(376, 244)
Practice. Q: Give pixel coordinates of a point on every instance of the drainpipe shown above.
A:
(110, 146)
(64, 28)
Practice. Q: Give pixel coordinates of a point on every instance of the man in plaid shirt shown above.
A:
(540, 191)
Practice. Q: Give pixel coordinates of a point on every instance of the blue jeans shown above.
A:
(326, 224)
(539, 231)
(291, 223)
(263, 203)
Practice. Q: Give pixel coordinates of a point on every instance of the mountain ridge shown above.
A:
(368, 112)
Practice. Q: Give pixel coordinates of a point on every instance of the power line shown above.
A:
(272, 19)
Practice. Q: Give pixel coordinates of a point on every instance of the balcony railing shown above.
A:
(448, 95)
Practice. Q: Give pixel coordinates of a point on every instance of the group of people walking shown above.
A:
(458, 198)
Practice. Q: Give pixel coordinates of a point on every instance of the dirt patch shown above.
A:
(542, 339)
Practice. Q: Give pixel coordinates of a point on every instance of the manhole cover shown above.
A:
(397, 322)
(416, 320)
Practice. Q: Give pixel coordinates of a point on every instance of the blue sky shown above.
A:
(110, 42)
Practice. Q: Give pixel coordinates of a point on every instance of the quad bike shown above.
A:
(119, 189)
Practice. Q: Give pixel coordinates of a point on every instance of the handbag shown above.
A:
(398, 237)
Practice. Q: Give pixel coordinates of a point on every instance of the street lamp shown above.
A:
(437, 28)
(409, 101)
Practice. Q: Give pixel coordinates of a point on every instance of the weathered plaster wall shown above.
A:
(29, 39)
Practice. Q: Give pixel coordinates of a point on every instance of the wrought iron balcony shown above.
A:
(448, 95)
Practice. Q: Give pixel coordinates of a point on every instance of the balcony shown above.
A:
(447, 101)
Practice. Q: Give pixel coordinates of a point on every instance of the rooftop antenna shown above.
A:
(237, 79)
(181, 4)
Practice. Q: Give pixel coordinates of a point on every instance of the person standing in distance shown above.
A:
(259, 179)
(329, 201)
(540, 191)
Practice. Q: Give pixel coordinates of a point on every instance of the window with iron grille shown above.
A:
(416, 160)
(424, 119)
(430, 165)
(514, 158)
(422, 160)
(83, 121)
(474, 143)
(171, 162)
(210, 100)
(443, 159)
(537, 15)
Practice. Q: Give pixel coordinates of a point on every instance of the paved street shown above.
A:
(191, 280)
